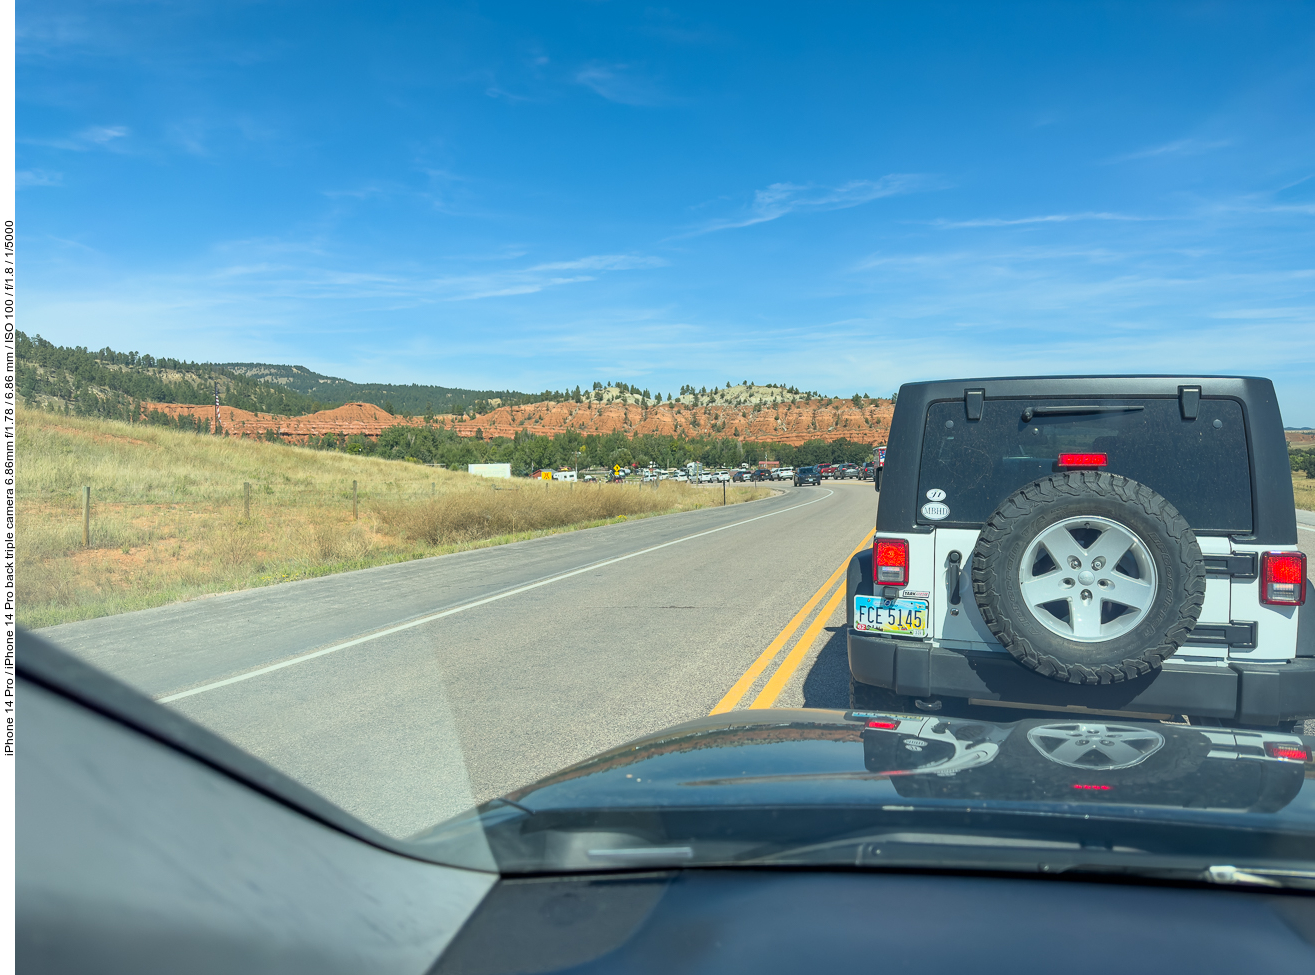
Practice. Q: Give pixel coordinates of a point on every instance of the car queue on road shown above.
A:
(696, 474)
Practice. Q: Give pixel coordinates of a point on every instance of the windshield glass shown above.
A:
(1199, 464)
(479, 416)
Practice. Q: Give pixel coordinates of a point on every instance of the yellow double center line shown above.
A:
(767, 697)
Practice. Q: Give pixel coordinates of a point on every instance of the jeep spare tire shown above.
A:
(1088, 577)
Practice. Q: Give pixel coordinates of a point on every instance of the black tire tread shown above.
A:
(1073, 484)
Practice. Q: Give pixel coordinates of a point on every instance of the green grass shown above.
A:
(168, 520)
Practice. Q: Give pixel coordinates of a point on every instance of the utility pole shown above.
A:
(216, 409)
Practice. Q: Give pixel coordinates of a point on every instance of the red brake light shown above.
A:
(884, 725)
(1283, 578)
(890, 562)
(1083, 460)
(1096, 788)
(1292, 753)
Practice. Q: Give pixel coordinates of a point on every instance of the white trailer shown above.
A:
(490, 470)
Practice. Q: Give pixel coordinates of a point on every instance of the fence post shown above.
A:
(86, 516)
(246, 500)
(723, 494)
(354, 518)
(433, 489)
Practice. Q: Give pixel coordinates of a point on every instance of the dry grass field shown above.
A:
(168, 522)
(1303, 488)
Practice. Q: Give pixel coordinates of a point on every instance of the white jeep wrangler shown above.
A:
(1111, 545)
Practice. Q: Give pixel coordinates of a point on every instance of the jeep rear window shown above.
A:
(1202, 466)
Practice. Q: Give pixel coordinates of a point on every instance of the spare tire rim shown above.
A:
(1097, 747)
(1088, 579)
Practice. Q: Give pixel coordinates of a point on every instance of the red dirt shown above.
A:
(791, 423)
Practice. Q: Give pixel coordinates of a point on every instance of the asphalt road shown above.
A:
(468, 675)
(408, 692)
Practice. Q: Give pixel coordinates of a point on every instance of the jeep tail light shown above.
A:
(890, 562)
(1283, 578)
(884, 725)
(1290, 753)
(1083, 460)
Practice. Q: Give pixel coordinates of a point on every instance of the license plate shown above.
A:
(877, 615)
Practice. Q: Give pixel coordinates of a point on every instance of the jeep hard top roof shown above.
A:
(1273, 509)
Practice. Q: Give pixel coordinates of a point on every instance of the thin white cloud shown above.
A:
(538, 277)
(781, 199)
(363, 192)
(495, 91)
(37, 177)
(1045, 218)
(527, 287)
(1179, 147)
(1303, 312)
(445, 191)
(604, 262)
(93, 137)
(621, 84)
(270, 274)
(103, 134)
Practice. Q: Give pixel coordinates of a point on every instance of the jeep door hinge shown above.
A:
(972, 402)
(1238, 634)
(1241, 566)
(1189, 401)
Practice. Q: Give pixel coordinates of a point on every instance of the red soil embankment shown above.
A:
(792, 423)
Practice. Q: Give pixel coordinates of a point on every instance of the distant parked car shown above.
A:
(826, 470)
(762, 474)
(807, 475)
(846, 470)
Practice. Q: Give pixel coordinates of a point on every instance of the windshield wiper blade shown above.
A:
(1222, 874)
(1260, 876)
(1032, 411)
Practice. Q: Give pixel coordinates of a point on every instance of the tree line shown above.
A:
(114, 385)
(528, 452)
(105, 383)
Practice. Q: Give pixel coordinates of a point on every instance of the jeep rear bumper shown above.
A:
(1260, 694)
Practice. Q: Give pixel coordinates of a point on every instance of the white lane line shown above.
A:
(1307, 528)
(473, 605)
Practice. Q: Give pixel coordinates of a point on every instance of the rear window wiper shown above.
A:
(1032, 411)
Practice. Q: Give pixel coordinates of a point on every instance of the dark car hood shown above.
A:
(806, 756)
(774, 777)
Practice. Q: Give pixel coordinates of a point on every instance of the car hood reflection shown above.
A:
(826, 756)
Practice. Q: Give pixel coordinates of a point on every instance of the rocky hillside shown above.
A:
(773, 422)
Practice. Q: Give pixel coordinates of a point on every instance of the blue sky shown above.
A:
(836, 196)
